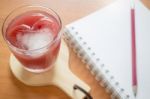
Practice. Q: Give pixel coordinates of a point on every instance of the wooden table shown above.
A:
(69, 10)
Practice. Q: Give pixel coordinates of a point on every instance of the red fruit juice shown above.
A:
(35, 39)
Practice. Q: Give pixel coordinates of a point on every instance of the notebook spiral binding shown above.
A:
(101, 73)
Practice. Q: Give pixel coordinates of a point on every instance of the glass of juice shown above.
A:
(33, 35)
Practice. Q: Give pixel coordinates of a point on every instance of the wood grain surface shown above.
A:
(69, 10)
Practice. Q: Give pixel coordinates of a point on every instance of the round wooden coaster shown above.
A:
(60, 75)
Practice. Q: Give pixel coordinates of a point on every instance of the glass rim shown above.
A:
(37, 49)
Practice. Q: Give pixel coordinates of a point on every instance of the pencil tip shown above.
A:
(135, 90)
(134, 94)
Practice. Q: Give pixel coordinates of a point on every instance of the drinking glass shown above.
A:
(33, 35)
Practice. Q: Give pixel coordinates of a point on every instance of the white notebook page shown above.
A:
(108, 33)
(143, 50)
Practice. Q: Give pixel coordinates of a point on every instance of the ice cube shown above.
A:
(35, 39)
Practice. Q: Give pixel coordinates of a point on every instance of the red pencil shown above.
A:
(133, 44)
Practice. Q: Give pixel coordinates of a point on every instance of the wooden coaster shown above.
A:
(60, 75)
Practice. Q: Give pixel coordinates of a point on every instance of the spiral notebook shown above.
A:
(103, 41)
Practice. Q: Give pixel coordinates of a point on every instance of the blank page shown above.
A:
(108, 34)
(143, 50)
